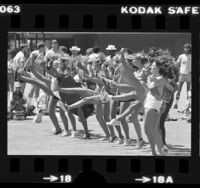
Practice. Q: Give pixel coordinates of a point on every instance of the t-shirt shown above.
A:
(185, 63)
(19, 61)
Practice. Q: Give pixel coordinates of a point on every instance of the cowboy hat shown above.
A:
(111, 47)
(75, 48)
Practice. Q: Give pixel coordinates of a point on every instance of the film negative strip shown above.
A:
(79, 40)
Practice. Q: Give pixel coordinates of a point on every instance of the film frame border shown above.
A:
(16, 166)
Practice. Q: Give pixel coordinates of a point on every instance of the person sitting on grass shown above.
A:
(17, 104)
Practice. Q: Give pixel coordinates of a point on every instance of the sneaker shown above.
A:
(56, 132)
(166, 148)
(104, 138)
(127, 142)
(163, 151)
(175, 106)
(113, 122)
(74, 134)
(65, 133)
(86, 136)
(112, 138)
(140, 144)
(38, 118)
(120, 141)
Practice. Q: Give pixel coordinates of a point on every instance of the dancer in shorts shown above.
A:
(89, 97)
(135, 105)
(154, 103)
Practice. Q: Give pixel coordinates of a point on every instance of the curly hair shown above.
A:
(165, 66)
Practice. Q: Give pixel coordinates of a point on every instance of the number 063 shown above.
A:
(10, 9)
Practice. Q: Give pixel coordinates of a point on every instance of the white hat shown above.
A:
(93, 57)
(75, 48)
(111, 47)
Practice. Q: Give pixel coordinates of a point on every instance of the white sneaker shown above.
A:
(120, 141)
(74, 134)
(104, 138)
(127, 142)
(113, 122)
(38, 118)
(65, 133)
(165, 149)
(163, 152)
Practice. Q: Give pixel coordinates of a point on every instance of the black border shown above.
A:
(112, 168)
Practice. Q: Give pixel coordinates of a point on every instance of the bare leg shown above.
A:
(128, 111)
(125, 97)
(84, 123)
(106, 115)
(72, 120)
(114, 106)
(87, 100)
(135, 113)
(149, 123)
(39, 76)
(132, 80)
(52, 115)
(134, 108)
(81, 91)
(158, 137)
(123, 107)
(64, 119)
(38, 83)
(99, 116)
